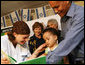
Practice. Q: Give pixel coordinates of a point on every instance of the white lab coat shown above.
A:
(17, 52)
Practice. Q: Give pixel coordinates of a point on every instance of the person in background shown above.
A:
(53, 23)
(50, 35)
(72, 24)
(36, 40)
(14, 43)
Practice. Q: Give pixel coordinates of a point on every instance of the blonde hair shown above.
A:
(54, 21)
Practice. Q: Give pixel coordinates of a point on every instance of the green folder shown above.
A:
(12, 60)
(39, 60)
(2, 34)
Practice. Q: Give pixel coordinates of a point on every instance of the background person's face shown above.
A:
(21, 39)
(49, 39)
(59, 7)
(52, 25)
(37, 31)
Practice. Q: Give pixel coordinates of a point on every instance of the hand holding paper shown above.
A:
(5, 61)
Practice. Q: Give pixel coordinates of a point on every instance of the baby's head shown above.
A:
(50, 35)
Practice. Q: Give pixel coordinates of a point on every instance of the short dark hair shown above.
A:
(51, 30)
(36, 25)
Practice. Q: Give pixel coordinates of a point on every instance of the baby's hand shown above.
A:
(37, 51)
(41, 48)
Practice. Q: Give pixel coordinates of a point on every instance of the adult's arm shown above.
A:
(72, 39)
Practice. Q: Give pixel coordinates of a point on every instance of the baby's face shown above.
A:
(49, 39)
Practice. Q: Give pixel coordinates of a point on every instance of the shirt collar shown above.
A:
(70, 12)
(36, 37)
(53, 48)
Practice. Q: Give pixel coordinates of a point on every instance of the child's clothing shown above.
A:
(48, 51)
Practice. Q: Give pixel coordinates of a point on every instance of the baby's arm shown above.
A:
(43, 55)
(37, 51)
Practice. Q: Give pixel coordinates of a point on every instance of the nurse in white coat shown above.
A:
(14, 43)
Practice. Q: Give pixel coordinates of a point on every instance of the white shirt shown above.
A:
(18, 52)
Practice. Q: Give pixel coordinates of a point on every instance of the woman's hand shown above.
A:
(5, 61)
